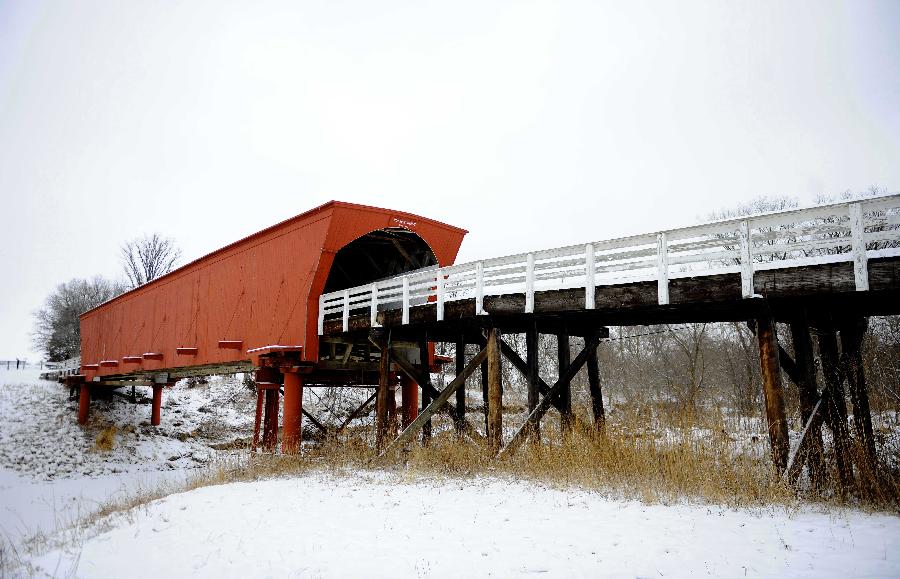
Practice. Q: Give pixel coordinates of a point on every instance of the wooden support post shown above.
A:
(773, 390)
(292, 434)
(392, 406)
(495, 392)
(852, 332)
(157, 405)
(593, 370)
(257, 423)
(836, 410)
(460, 356)
(805, 379)
(564, 355)
(484, 393)
(425, 372)
(270, 420)
(409, 400)
(84, 403)
(381, 401)
(533, 377)
(268, 381)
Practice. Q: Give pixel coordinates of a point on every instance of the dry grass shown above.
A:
(664, 459)
(106, 440)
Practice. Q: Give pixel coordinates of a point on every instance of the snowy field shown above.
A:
(380, 525)
(362, 524)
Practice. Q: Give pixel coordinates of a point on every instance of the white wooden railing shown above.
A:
(852, 231)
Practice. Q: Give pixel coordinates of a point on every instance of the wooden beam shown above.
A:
(523, 366)
(532, 373)
(358, 411)
(381, 401)
(805, 378)
(448, 407)
(836, 410)
(593, 368)
(495, 391)
(788, 365)
(564, 356)
(535, 416)
(438, 403)
(426, 385)
(460, 358)
(801, 451)
(773, 391)
(852, 332)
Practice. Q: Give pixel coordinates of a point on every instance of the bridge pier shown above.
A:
(156, 408)
(809, 396)
(836, 408)
(773, 391)
(495, 391)
(593, 371)
(292, 434)
(532, 338)
(564, 356)
(460, 365)
(852, 332)
(84, 403)
(381, 400)
(268, 382)
(409, 400)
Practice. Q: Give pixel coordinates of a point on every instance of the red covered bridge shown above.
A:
(255, 300)
(356, 296)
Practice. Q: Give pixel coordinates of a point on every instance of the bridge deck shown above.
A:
(842, 256)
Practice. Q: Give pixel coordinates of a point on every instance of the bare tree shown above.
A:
(147, 258)
(56, 327)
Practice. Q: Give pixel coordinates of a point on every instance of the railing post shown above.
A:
(345, 311)
(405, 300)
(439, 290)
(529, 284)
(321, 315)
(479, 288)
(662, 268)
(860, 262)
(373, 306)
(746, 261)
(590, 276)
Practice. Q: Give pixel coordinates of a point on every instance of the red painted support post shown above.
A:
(270, 424)
(409, 400)
(257, 423)
(84, 403)
(293, 412)
(157, 404)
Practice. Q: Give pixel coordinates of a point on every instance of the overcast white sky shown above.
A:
(531, 124)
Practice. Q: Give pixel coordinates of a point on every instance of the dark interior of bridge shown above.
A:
(378, 255)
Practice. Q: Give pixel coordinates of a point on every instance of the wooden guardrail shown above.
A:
(852, 231)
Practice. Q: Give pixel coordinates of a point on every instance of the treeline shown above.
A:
(56, 331)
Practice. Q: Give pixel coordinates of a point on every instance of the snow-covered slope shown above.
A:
(380, 525)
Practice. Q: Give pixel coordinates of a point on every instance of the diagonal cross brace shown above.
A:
(358, 411)
(439, 401)
(510, 354)
(546, 402)
(425, 384)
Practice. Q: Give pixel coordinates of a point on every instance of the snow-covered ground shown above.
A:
(52, 473)
(387, 525)
(362, 524)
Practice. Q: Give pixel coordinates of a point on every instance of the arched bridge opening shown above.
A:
(378, 255)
